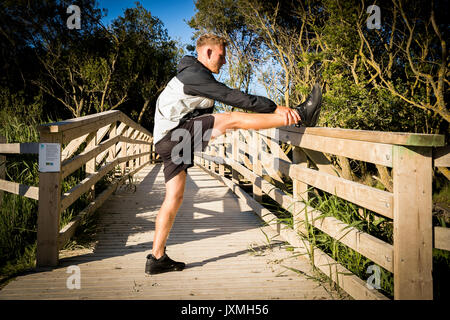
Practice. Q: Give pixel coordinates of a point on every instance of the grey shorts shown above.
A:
(177, 147)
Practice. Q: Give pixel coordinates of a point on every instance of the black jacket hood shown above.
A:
(189, 61)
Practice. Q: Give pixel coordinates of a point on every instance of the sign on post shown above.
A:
(49, 157)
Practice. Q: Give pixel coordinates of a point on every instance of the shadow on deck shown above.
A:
(228, 252)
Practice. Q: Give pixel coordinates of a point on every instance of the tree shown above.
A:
(148, 56)
(225, 18)
(94, 69)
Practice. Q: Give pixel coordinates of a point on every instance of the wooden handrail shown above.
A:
(408, 206)
(111, 140)
(115, 141)
(30, 192)
(393, 138)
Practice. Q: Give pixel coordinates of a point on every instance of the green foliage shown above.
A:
(49, 72)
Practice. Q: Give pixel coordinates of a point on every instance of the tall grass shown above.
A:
(18, 215)
(366, 221)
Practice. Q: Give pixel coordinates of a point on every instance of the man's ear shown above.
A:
(209, 53)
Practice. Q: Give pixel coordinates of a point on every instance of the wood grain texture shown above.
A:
(215, 233)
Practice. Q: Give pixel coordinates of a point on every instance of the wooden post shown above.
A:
(112, 149)
(131, 163)
(212, 163)
(2, 168)
(222, 155)
(123, 151)
(235, 155)
(49, 211)
(412, 176)
(300, 190)
(257, 167)
(153, 153)
(91, 164)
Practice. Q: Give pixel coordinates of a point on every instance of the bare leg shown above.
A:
(241, 120)
(167, 212)
(175, 187)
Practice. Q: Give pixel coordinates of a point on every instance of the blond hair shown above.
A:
(209, 38)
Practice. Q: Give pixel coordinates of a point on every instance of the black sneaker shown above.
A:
(163, 264)
(310, 109)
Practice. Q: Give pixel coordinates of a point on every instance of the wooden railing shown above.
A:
(107, 142)
(110, 140)
(246, 153)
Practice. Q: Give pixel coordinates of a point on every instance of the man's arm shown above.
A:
(203, 83)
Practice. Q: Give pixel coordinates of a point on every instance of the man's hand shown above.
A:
(291, 116)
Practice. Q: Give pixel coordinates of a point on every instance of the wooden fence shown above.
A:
(245, 154)
(107, 142)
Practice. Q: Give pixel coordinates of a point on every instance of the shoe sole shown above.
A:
(176, 268)
(164, 271)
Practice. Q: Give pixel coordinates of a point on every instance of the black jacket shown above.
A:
(199, 81)
(194, 88)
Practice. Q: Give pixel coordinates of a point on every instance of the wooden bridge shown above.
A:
(234, 247)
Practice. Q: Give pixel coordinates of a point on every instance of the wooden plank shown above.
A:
(412, 176)
(442, 238)
(377, 153)
(49, 211)
(70, 165)
(344, 278)
(112, 135)
(300, 189)
(74, 123)
(257, 167)
(73, 194)
(441, 157)
(68, 230)
(73, 133)
(369, 246)
(270, 163)
(394, 138)
(19, 189)
(117, 270)
(125, 119)
(19, 148)
(2, 168)
(321, 161)
(378, 251)
(221, 155)
(373, 199)
(91, 164)
(235, 154)
(73, 146)
(276, 150)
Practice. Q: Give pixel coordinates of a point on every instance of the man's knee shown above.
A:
(174, 198)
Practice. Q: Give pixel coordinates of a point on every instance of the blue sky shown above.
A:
(173, 13)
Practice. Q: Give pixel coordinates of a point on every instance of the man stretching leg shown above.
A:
(186, 105)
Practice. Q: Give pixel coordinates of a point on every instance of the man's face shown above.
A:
(217, 58)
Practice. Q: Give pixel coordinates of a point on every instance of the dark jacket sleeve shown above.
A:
(200, 82)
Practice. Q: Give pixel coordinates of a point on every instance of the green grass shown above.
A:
(366, 221)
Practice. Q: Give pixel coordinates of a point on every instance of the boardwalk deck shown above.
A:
(223, 243)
